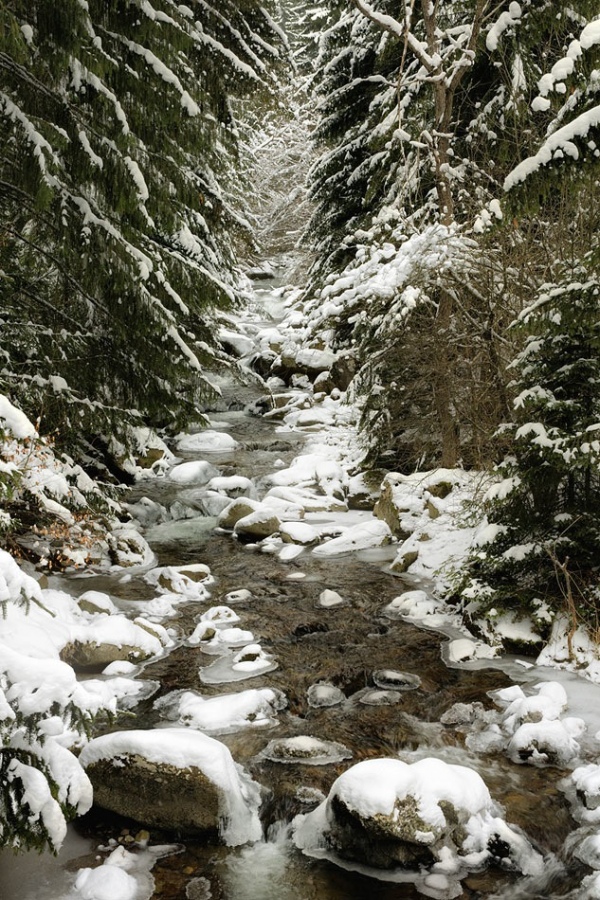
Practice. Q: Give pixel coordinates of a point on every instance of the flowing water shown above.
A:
(343, 646)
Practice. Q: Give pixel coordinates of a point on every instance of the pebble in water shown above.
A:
(391, 680)
(328, 599)
(305, 750)
(324, 694)
(248, 662)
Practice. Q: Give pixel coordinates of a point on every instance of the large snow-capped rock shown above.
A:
(389, 814)
(176, 779)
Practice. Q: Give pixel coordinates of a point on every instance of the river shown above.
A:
(343, 646)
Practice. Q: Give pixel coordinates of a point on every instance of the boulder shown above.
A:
(364, 489)
(92, 655)
(386, 508)
(176, 779)
(388, 814)
(343, 369)
(404, 561)
(258, 525)
(236, 510)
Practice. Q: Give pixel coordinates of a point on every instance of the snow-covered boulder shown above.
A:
(358, 537)
(176, 779)
(197, 471)
(208, 441)
(386, 813)
(257, 525)
(128, 548)
(109, 638)
(236, 510)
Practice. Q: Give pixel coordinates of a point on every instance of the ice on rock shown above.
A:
(122, 876)
(392, 680)
(97, 602)
(374, 697)
(106, 882)
(290, 551)
(235, 637)
(206, 636)
(464, 649)
(548, 742)
(168, 749)
(223, 714)
(232, 486)
(412, 604)
(248, 662)
(191, 581)
(206, 442)
(588, 851)
(221, 616)
(305, 750)
(251, 658)
(298, 533)
(240, 596)
(324, 694)
(583, 789)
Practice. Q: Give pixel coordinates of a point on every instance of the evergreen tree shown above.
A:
(427, 112)
(118, 136)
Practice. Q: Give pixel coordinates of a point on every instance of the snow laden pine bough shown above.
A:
(429, 823)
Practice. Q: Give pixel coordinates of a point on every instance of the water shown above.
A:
(344, 646)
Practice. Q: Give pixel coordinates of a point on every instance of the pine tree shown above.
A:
(541, 548)
(427, 110)
(119, 136)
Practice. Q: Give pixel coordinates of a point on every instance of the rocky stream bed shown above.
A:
(352, 684)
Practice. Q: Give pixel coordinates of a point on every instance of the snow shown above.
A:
(196, 472)
(106, 882)
(357, 537)
(208, 441)
(506, 19)
(226, 713)
(560, 141)
(15, 421)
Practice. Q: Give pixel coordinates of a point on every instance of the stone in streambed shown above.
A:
(176, 779)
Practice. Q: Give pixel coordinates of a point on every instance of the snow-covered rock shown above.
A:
(253, 708)
(208, 441)
(374, 533)
(386, 813)
(176, 779)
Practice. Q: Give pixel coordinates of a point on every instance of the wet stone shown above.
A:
(392, 680)
(305, 750)
(371, 697)
(324, 695)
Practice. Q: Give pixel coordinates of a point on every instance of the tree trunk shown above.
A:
(443, 384)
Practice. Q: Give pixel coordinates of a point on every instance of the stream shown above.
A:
(343, 646)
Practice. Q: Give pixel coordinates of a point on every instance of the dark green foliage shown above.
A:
(116, 230)
(545, 511)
